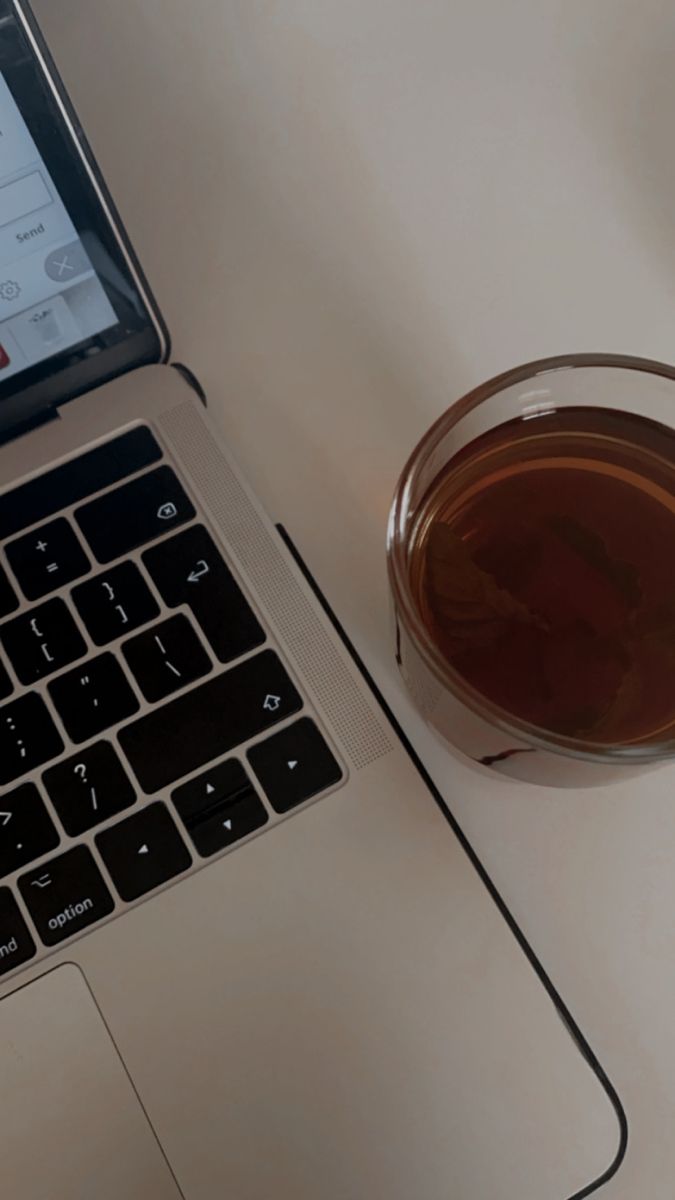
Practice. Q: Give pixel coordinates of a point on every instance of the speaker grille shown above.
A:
(275, 586)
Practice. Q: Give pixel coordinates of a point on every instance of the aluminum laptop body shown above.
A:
(245, 952)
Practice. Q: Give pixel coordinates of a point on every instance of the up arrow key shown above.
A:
(143, 849)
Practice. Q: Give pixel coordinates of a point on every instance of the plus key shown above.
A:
(47, 558)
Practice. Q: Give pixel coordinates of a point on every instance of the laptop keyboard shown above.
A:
(137, 681)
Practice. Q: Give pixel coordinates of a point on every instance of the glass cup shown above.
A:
(461, 713)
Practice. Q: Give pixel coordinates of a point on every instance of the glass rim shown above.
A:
(535, 735)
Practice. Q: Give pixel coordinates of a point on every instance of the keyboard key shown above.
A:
(93, 697)
(42, 641)
(65, 895)
(114, 603)
(28, 737)
(75, 480)
(88, 788)
(26, 829)
(205, 723)
(8, 599)
(143, 852)
(6, 688)
(220, 784)
(134, 514)
(219, 807)
(47, 558)
(16, 943)
(294, 765)
(189, 569)
(166, 657)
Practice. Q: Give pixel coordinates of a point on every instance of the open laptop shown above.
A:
(244, 951)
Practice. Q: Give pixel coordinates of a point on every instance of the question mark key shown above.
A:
(89, 787)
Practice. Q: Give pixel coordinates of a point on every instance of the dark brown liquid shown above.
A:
(544, 569)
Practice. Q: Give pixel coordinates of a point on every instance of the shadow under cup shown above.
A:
(543, 646)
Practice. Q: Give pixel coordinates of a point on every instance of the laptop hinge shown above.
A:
(21, 414)
(191, 380)
(18, 418)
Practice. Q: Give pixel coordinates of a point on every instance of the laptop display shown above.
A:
(73, 306)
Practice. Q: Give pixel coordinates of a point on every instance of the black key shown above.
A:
(8, 599)
(143, 852)
(88, 788)
(114, 603)
(47, 558)
(28, 737)
(220, 784)
(204, 724)
(166, 657)
(16, 943)
(6, 688)
(26, 829)
(66, 895)
(42, 641)
(77, 479)
(93, 697)
(189, 569)
(219, 807)
(134, 514)
(294, 765)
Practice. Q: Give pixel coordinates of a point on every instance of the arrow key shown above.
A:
(228, 825)
(294, 765)
(219, 807)
(143, 852)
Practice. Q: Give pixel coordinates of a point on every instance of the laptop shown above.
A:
(245, 951)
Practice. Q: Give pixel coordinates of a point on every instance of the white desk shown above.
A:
(358, 209)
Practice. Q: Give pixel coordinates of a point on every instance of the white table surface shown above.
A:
(357, 210)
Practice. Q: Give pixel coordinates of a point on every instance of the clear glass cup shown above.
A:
(462, 715)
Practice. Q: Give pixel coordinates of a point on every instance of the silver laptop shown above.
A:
(244, 950)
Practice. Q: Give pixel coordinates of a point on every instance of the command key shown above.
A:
(16, 943)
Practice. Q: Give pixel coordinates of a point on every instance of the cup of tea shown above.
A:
(531, 556)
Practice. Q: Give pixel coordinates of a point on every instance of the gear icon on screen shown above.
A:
(9, 290)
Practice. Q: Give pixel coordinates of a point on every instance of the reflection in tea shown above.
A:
(543, 565)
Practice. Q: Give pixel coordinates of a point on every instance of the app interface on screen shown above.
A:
(50, 296)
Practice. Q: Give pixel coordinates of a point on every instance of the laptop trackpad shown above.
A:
(73, 1127)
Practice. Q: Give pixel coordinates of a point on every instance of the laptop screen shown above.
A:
(74, 309)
